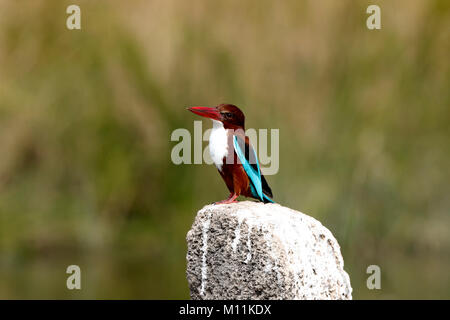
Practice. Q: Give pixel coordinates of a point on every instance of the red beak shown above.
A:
(206, 112)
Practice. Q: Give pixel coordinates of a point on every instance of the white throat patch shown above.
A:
(218, 143)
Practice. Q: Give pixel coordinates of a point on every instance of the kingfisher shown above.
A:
(233, 155)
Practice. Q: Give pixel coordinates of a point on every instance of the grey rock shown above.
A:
(251, 250)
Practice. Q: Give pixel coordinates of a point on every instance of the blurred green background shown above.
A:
(86, 116)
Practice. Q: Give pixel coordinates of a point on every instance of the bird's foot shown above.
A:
(226, 201)
(230, 199)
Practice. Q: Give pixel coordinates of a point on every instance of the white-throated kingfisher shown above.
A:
(233, 155)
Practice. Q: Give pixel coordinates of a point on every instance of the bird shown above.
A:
(233, 155)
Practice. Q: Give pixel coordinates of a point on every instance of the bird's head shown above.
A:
(230, 115)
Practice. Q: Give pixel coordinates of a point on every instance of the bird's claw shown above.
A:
(226, 201)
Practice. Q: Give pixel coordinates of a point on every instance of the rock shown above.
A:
(251, 250)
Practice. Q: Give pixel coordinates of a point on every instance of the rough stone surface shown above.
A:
(251, 250)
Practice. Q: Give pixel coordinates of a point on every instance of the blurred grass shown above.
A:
(86, 117)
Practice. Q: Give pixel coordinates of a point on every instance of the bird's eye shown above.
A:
(227, 115)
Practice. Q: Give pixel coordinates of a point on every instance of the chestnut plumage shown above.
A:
(233, 154)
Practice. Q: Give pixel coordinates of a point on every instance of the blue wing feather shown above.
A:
(254, 175)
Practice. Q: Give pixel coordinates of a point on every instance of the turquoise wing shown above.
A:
(253, 171)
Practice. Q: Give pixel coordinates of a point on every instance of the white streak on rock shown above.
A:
(237, 234)
(267, 236)
(249, 244)
(206, 225)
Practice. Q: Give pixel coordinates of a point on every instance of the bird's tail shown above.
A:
(266, 199)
